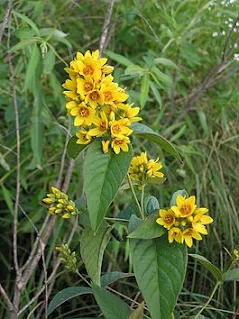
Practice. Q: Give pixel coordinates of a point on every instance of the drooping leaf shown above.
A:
(144, 90)
(148, 229)
(22, 44)
(162, 77)
(151, 204)
(28, 21)
(231, 275)
(66, 294)
(8, 199)
(103, 175)
(111, 306)
(37, 139)
(166, 62)
(145, 131)
(206, 263)
(118, 58)
(111, 277)
(159, 269)
(155, 92)
(49, 62)
(181, 192)
(134, 70)
(92, 247)
(74, 149)
(31, 68)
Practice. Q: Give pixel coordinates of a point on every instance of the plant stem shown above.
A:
(135, 197)
(209, 300)
(142, 200)
(83, 278)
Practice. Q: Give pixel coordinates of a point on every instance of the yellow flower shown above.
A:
(120, 127)
(71, 105)
(130, 112)
(83, 137)
(153, 168)
(189, 234)
(84, 114)
(84, 86)
(200, 219)
(105, 146)
(175, 234)
(71, 85)
(101, 125)
(166, 219)
(185, 206)
(94, 98)
(120, 142)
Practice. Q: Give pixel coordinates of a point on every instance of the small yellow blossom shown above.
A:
(120, 142)
(185, 206)
(84, 115)
(120, 127)
(200, 219)
(175, 234)
(130, 112)
(189, 234)
(105, 146)
(101, 125)
(153, 168)
(167, 218)
(83, 137)
(94, 98)
(84, 86)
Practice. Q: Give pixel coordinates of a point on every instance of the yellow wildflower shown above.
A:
(200, 219)
(94, 98)
(130, 112)
(153, 168)
(175, 234)
(105, 146)
(120, 142)
(71, 85)
(83, 137)
(84, 114)
(166, 219)
(189, 234)
(84, 86)
(185, 206)
(101, 125)
(120, 127)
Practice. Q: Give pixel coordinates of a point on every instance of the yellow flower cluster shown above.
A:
(142, 170)
(185, 221)
(98, 103)
(60, 205)
(67, 258)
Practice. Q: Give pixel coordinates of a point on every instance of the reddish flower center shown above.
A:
(119, 142)
(168, 219)
(185, 209)
(88, 86)
(88, 70)
(103, 126)
(94, 96)
(108, 96)
(116, 129)
(84, 112)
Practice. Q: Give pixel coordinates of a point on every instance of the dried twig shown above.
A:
(5, 19)
(106, 26)
(6, 299)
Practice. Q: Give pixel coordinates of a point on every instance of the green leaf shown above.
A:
(49, 62)
(103, 175)
(182, 192)
(8, 199)
(24, 33)
(111, 277)
(164, 78)
(138, 313)
(144, 91)
(206, 263)
(134, 70)
(118, 58)
(111, 306)
(37, 139)
(159, 269)
(148, 229)
(92, 247)
(231, 275)
(151, 204)
(22, 44)
(155, 92)
(31, 68)
(147, 132)
(28, 21)
(74, 149)
(66, 294)
(166, 62)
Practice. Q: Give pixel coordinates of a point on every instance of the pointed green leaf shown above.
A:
(111, 306)
(164, 78)
(166, 62)
(31, 68)
(147, 132)
(144, 91)
(206, 263)
(118, 58)
(148, 229)
(92, 247)
(103, 175)
(66, 294)
(159, 269)
(28, 21)
(74, 149)
(155, 92)
(230, 275)
(111, 277)
(22, 44)
(134, 70)
(151, 204)
(8, 199)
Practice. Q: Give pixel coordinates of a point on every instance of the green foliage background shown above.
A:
(169, 48)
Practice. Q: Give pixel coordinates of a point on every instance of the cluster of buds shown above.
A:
(143, 171)
(60, 204)
(98, 103)
(67, 258)
(185, 221)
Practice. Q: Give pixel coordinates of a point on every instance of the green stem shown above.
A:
(134, 195)
(142, 201)
(209, 300)
(83, 278)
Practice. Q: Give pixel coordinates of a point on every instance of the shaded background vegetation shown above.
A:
(185, 61)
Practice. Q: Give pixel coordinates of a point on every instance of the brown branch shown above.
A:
(5, 19)
(106, 27)
(6, 299)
